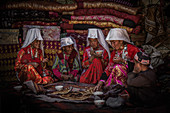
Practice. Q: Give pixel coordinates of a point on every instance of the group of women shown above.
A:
(101, 64)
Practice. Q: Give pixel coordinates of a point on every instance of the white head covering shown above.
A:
(97, 33)
(33, 34)
(66, 41)
(118, 34)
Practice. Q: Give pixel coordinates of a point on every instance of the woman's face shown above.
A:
(116, 44)
(93, 42)
(68, 49)
(36, 44)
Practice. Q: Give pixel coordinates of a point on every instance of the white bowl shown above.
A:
(99, 103)
(98, 93)
(59, 88)
(99, 52)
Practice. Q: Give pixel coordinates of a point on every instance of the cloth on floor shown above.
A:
(155, 55)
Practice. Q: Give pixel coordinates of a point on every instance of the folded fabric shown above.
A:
(77, 26)
(104, 11)
(35, 88)
(49, 32)
(129, 3)
(115, 102)
(85, 32)
(20, 24)
(102, 24)
(113, 5)
(40, 5)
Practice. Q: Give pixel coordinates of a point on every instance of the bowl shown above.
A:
(99, 103)
(99, 52)
(97, 93)
(59, 88)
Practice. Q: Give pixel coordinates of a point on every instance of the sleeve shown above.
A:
(76, 67)
(85, 61)
(110, 65)
(105, 59)
(41, 55)
(132, 52)
(55, 67)
(18, 64)
(134, 81)
(108, 69)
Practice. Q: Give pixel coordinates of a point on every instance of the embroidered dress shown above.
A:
(93, 71)
(27, 71)
(117, 73)
(66, 64)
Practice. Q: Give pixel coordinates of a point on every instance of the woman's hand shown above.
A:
(35, 64)
(65, 77)
(98, 86)
(45, 60)
(136, 69)
(118, 60)
(71, 77)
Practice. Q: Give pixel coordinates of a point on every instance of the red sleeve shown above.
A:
(132, 50)
(105, 59)
(85, 61)
(110, 65)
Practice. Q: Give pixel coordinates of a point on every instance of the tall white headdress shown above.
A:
(118, 34)
(33, 34)
(66, 41)
(97, 33)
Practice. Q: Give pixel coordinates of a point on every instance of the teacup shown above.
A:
(99, 52)
(98, 93)
(99, 103)
(59, 88)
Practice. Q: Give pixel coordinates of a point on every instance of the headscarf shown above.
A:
(118, 34)
(142, 58)
(97, 33)
(33, 34)
(66, 41)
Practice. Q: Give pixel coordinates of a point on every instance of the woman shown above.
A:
(67, 63)
(29, 62)
(122, 55)
(94, 63)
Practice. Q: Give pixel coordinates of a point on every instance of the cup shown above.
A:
(99, 103)
(59, 88)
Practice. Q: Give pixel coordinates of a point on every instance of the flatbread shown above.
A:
(64, 91)
(80, 95)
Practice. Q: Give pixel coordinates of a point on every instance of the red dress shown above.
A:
(117, 73)
(27, 71)
(93, 71)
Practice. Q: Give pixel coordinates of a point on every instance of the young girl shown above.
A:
(67, 63)
(93, 63)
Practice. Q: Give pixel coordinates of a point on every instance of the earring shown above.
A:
(121, 47)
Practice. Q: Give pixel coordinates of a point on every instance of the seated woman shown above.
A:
(122, 55)
(29, 62)
(67, 63)
(94, 63)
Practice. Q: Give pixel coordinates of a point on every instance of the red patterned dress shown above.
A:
(93, 71)
(27, 71)
(117, 73)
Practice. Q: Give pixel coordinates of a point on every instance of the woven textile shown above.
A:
(41, 23)
(104, 11)
(40, 5)
(48, 32)
(102, 24)
(8, 54)
(9, 36)
(129, 3)
(113, 5)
